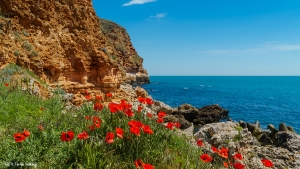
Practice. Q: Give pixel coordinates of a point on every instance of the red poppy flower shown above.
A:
(135, 123)
(177, 125)
(86, 92)
(138, 163)
(83, 136)
(88, 117)
(200, 143)
(148, 101)
(19, 137)
(26, 133)
(92, 127)
(135, 130)
(226, 165)
(160, 120)
(206, 158)
(98, 97)
(109, 95)
(149, 115)
(67, 136)
(42, 108)
(148, 166)
(97, 122)
(224, 152)
(110, 137)
(169, 125)
(147, 129)
(267, 163)
(214, 149)
(88, 97)
(141, 100)
(129, 113)
(113, 107)
(161, 114)
(238, 165)
(6, 84)
(238, 156)
(41, 127)
(120, 107)
(140, 108)
(98, 106)
(120, 132)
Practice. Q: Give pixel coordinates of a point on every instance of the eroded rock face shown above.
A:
(66, 44)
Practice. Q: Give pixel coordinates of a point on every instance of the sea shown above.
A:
(267, 99)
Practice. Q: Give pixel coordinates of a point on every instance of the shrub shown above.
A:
(26, 45)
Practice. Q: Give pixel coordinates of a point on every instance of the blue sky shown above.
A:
(211, 37)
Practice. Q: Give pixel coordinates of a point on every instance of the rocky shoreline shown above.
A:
(281, 146)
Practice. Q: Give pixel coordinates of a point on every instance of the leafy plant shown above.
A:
(26, 45)
(239, 136)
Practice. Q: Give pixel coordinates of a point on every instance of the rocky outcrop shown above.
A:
(67, 45)
(204, 115)
(230, 135)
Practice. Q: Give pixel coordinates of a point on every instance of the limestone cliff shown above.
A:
(66, 44)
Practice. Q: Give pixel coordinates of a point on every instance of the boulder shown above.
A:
(288, 140)
(204, 115)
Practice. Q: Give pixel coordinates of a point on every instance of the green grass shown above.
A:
(20, 110)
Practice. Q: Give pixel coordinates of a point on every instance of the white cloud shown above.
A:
(268, 47)
(159, 15)
(134, 2)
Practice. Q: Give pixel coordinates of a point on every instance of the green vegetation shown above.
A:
(26, 45)
(33, 53)
(17, 53)
(239, 136)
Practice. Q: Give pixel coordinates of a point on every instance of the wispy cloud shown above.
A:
(159, 15)
(135, 2)
(268, 47)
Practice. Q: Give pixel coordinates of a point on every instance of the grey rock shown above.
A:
(288, 140)
(283, 127)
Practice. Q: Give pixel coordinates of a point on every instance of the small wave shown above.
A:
(185, 88)
(202, 85)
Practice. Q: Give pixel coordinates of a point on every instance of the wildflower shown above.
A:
(147, 129)
(26, 133)
(267, 163)
(177, 125)
(98, 106)
(113, 107)
(109, 95)
(110, 137)
(129, 113)
(120, 107)
(161, 114)
(238, 156)
(98, 97)
(149, 115)
(200, 143)
(238, 165)
(6, 84)
(135, 123)
(148, 166)
(97, 122)
(138, 163)
(225, 164)
(88, 97)
(224, 152)
(67, 136)
(86, 92)
(83, 136)
(135, 130)
(206, 158)
(169, 125)
(42, 108)
(148, 101)
(88, 117)
(41, 128)
(160, 120)
(120, 132)
(92, 127)
(140, 108)
(214, 149)
(19, 137)
(141, 100)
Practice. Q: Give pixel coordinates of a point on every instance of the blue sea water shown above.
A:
(268, 99)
